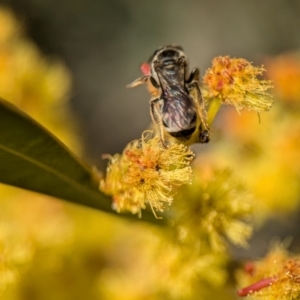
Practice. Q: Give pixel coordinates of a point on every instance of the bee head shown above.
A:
(167, 56)
(167, 59)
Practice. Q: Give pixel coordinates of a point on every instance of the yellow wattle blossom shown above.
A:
(234, 81)
(184, 270)
(147, 172)
(213, 207)
(277, 276)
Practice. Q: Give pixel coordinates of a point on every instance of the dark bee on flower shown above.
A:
(176, 106)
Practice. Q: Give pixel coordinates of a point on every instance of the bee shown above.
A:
(176, 106)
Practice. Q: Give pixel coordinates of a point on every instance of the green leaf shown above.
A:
(31, 158)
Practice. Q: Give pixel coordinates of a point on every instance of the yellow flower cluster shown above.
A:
(234, 81)
(147, 172)
(277, 276)
(186, 270)
(218, 206)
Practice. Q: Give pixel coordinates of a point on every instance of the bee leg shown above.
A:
(194, 76)
(155, 111)
(138, 81)
(203, 135)
(194, 89)
(193, 86)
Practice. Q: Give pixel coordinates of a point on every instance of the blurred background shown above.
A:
(67, 64)
(104, 42)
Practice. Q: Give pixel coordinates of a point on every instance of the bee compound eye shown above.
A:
(168, 53)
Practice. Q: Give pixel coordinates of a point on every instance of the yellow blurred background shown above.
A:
(66, 64)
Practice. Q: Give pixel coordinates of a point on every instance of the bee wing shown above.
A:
(178, 110)
(174, 78)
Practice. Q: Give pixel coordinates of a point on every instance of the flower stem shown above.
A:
(213, 110)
